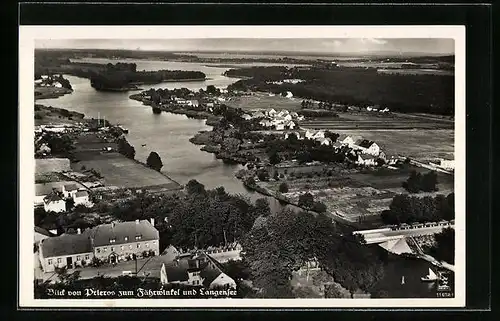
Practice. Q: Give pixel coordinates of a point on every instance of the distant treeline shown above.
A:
(355, 86)
(110, 76)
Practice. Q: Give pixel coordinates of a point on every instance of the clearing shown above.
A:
(117, 170)
(261, 100)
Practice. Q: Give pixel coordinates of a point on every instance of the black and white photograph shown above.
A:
(241, 166)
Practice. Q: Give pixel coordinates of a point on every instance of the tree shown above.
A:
(262, 207)
(263, 174)
(444, 249)
(154, 161)
(70, 203)
(319, 207)
(429, 182)
(283, 188)
(306, 200)
(125, 148)
(194, 187)
(274, 158)
(412, 184)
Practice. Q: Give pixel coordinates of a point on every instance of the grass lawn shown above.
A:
(120, 171)
(264, 101)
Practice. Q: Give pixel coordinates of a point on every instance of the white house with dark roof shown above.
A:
(53, 202)
(82, 198)
(197, 269)
(107, 242)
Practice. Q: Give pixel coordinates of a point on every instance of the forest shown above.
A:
(354, 86)
(410, 209)
(284, 242)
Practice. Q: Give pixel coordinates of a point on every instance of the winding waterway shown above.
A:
(168, 134)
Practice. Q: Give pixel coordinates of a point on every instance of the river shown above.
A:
(168, 134)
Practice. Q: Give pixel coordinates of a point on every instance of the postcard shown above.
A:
(242, 166)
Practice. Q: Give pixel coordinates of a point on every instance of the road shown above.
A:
(378, 236)
(153, 268)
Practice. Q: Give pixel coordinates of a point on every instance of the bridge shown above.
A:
(396, 239)
(393, 238)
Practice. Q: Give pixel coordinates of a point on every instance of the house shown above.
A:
(53, 202)
(324, 141)
(266, 123)
(246, 116)
(289, 94)
(193, 103)
(337, 145)
(69, 190)
(280, 126)
(258, 114)
(198, 269)
(290, 125)
(82, 198)
(447, 164)
(107, 242)
(271, 112)
(309, 134)
(348, 140)
(367, 147)
(366, 160)
(41, 234)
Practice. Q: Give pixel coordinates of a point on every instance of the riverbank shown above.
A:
(101, 148)
(50, 92)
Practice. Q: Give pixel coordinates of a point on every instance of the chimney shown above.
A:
(136, 221)
(153, 221)
(79, 230)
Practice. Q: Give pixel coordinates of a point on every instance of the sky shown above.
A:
(311, 45)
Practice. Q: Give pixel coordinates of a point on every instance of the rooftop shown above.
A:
(81, 194)
(70, 187)
(69, 244)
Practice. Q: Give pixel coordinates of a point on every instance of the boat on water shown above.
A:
(403, 279)
(125, 130)
(431, 277)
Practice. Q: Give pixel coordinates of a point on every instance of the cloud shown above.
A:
(374, 41)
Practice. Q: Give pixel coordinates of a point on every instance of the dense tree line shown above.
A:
(307, 150)
(199, 218)
(421, 182)
(59, 144)
(355, 86)
(123, 75)
(125, 148)
(287, 240)
(409, 209)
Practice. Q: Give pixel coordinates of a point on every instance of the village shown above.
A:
(86, 170)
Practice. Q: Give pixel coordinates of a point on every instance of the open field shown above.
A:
(417, 72)
(264, 101)
(49, 165)
(377, 120)
(362, 194)
(45, 115)
(120, 171)
(418, 144)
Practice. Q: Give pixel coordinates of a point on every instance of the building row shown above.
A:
(110, 243)
(55, 199)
